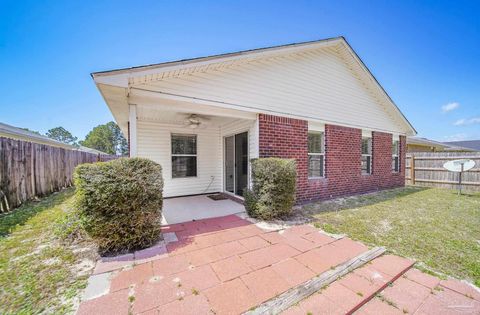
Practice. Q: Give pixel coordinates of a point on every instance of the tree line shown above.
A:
(107, 138)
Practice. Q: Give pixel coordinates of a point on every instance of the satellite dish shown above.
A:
(459, 165)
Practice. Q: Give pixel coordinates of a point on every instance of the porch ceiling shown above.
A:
(153, 106)
(177, 117)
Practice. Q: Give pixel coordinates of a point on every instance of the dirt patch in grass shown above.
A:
(40, 271)
(434, 226)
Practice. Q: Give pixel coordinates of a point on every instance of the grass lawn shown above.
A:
(39, 271)
(434, 226)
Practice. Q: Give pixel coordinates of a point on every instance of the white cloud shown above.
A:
(450, 106)
(467, 121)
(456, 137)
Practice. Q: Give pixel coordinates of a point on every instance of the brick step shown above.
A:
(350, 293)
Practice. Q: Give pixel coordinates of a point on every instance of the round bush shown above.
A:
(273, 190)
(120, 202)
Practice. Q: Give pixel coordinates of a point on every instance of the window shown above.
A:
(316, 154)
(184, 155)
(395, 156)
(366, 155)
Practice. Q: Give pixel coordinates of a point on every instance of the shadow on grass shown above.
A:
(357, 201)
(22, 214)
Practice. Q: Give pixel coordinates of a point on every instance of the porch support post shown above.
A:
(133, 129)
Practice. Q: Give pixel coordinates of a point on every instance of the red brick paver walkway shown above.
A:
(388, 285)
(419, 293)
(223, 265)
(228, 265)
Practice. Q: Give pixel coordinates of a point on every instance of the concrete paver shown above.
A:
(113, 303)
(422, 278)
(461, 288)
(98, 285)
(293, 272)
(231, 297)
(136, 275)
(230, 268)
(227, 265)
(406, 295)
(265, 284)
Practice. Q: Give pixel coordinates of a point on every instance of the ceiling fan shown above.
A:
(194, 121)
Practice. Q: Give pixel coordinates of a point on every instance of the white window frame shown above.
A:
(322, 133)
(184, 155)
(396, 141)
(367, 135)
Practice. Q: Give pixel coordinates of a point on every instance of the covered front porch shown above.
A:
(202, 149)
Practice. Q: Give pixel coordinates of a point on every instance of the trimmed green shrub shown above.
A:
(273, 190)
(120, 202)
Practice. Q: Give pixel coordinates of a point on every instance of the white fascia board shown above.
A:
(118, 108)
(120, 80)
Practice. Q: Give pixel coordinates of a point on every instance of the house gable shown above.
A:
(325, 83)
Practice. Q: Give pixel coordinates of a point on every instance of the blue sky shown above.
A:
(424, 53)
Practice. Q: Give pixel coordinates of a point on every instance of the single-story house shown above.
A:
(204, 119)
(473, 145)
(419, 144)
(12, 132)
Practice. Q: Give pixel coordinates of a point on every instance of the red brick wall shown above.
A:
(288, 138)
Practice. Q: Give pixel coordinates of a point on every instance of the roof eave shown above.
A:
(218, 57)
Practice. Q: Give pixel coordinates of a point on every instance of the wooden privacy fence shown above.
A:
(426, 169)
(30, 169)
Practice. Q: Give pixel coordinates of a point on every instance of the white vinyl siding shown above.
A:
(316, 84)
(154, 142)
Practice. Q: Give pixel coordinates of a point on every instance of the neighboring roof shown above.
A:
(471, 144)
(444, 146)
(425, 142)
(122, 78)
(12, 132)
(89, 150)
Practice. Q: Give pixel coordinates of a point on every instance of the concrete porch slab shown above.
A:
(184, 209)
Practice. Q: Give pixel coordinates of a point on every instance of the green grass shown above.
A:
(37, 273)
(434, 226)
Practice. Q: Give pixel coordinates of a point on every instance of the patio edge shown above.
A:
(304, 290)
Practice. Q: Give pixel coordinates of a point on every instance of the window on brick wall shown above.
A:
(316, 154)
(395, 156)
(184, 155)
(366, 155)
